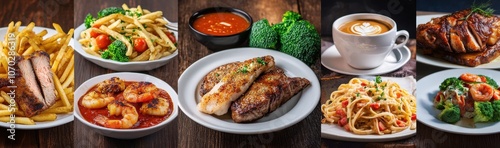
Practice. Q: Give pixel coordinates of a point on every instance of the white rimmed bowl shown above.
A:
(126, 133)
(121, 66)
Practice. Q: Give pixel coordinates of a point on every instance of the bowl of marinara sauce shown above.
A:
(220, 28)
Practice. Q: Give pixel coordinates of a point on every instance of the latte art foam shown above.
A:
(365, 28)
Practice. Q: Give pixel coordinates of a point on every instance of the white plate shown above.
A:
(288, 114)
(422, 19)
(126, 133)
(333, 131)
(61, 118)
(121, 66)
(332, 60)
(428, 87)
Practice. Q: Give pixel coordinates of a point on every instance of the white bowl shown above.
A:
(120, 66)
(126, 133)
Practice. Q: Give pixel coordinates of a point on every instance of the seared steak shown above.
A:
(461, 38)
(267, 93)
(41, 64)
(233, 85)
(28, 94)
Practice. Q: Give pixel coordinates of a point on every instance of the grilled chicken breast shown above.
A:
(267, 93)
(214, 76)
(232, 85)
(41, 65)
(461, 38)
(28, 94)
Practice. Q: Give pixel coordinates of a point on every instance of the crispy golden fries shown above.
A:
(135, 23)
(61, 60)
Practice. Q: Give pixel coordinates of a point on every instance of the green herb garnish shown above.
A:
(261, 61)
(483, 9)
(378, 79)
(243, 69)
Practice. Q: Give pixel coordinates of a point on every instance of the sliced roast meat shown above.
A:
(41, 64)
(28, 94)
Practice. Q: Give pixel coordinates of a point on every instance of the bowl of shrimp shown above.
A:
(125, 105)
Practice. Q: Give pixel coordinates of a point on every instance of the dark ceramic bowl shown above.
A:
(218, 43)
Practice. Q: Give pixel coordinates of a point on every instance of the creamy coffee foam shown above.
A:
(364, 27)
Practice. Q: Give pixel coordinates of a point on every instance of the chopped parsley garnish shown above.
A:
(261, 61)
(357, 94)
(378, 79)
(243, 69)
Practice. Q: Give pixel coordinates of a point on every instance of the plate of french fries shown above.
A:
(28, 40)
(126, 39)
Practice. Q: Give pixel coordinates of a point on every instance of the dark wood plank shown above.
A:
(302, 134)
(43, 13)
(86, 137)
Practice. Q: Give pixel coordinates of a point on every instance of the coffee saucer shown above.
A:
(332, 60)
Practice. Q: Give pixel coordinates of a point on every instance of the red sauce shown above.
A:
(143, 120)
(221, 24)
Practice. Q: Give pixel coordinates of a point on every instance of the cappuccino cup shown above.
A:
(365, 39)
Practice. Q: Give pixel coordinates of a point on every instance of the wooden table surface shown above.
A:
(43, 13)
(191, 134)
(430, 137)
(84, 135)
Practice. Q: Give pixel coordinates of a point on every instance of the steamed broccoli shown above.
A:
(109, 10)
(483, 111)
(496, 110)
(490, 81)
(89, 20)
(263, 36)
(288, 18)
(116, 51)
(450, 114)
(454, 84)
(302, 41)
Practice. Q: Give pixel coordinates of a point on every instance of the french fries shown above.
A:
(135, 23)
(61, 61)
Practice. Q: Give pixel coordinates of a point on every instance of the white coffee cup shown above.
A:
(366, 52)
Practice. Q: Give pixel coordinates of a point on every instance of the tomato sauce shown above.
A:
(143, 120)
(221, 24)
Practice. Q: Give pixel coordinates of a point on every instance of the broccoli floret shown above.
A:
(263, 36)
(116, 51)
(301, 40)
(291, 16)
(453, 83)
(110, 10)
(288, 18)
(450, 114)
(496, 110)
(483, 111)
(490, 81)
(89, 20)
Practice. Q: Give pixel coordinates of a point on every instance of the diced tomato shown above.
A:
(140, 45)
(341, 113)
(375, 106)
(413, 116)
(103, 41)
(347, 128)
(363, 84)
(438, 97)
(345, 103)
(381, 126)
(94, 33)
(343, 121)
(398, 95)
(400, 123)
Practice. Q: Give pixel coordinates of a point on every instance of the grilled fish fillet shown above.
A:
(214, 76)
(267, 93)
(231, 86)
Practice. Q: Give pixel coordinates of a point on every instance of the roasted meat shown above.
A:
(233, 85)
(267, 93)
(459, 36)
(214, 76)
(41, 65)
(28, 94)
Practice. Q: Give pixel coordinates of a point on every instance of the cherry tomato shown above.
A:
(343, 121)
(413, 116)
(140, 45)
(171, 37)
(346, 127)
(341, 113)
(375, 106)
(103, 41)
(93, 33)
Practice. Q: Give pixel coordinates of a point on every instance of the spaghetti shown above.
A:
(371, 107)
